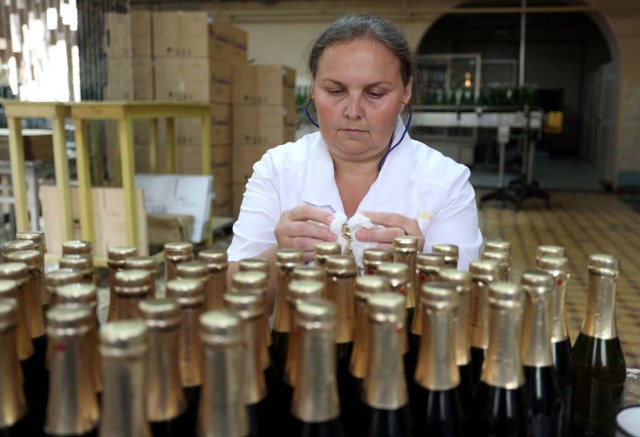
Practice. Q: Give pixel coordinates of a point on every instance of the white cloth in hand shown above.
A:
(356, 222)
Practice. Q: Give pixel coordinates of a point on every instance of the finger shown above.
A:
(388, 219)
(383, 235)
(306, 229)
(304, 243)
(385, 246)
(307, 212)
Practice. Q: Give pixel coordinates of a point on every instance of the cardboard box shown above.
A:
(192, 80)
(142, 159)
(223, 210)
(264, 85)
(194, 34)
(38, 144)
(239, 44)
(188, 129)
(129, 79)
(127, 35)
(262, 125)
(108, 219)
(243, 158)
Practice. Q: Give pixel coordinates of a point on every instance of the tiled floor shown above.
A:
(584, 223)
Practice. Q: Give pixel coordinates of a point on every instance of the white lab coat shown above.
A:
(415, 181)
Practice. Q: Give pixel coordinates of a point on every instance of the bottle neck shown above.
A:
(600, 318)
(33, 303)
(216, 288)
(437, 369)
(126, 306)
(165, 396)
(255, 388)
(123, 400)
(463, 354)
(536, 332)
(411, 287)
(25, 345)
(315, 396)
(502, 365)
(359, 356)
(340, 290)
(424, 277)
(12, 402)
(478, 314)
(281, 316)
(385, 385)
(190, 346)
(72, 407)
(222, 407)
(559, 331)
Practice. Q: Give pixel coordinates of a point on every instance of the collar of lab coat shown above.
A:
(320, 188)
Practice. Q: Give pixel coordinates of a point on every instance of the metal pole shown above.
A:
(523, 37)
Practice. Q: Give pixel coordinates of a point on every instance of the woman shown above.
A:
(362, 160)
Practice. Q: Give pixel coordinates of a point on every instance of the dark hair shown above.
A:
(354, 26)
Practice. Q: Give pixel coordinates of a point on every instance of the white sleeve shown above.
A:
(253, 232)
(457, 222)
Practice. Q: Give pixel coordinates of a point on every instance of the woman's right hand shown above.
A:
(302, 228)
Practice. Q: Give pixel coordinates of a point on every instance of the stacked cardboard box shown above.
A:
(264, 116)
(194, 57)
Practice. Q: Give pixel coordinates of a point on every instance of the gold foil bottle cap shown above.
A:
(503, 258)
(8, 312)
(328, 248)
(188, 292)
(123, 338)
(458, 277)
(141, 263)
(553, 263)
(254, 265)
(486, 270)
(18, 271)
(133, 282)
(246, 305)
(386, 307)
(505, 295)
(439, 295)
(604, 264)
(214, 259)
(406, 243)
(430, 261)
(316, 313)
(160, 313)
(550, 250)
(497, 246)
(193, 270)
(304, 289)
(379, 255)
(77, 247)
(451, 252)
(369, 285)
(86, 294)
(308, 272)
(341, 265)
(69, 315)
(536, 281)
(394, 271)
(58, 277)
(178, 251)
(289, 258)
(37, 237)
(249, 279)
(117, 255)
(32, 258)
(76, 262)
(220, 328)
(16, 245)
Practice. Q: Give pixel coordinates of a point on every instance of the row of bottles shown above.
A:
(487, 96)
(409, 346)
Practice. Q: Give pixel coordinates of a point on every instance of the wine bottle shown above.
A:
(428, 266)
(286, 260)
(372, 258)
(462, 282)
(17, 245)
(315, 408)
(80, 248)
(483, 273)
(148, 263)
(260, 265)
(504, 263)
(308, 273)
(81, 263)
(222, 412)
(13, 407)
(249, 308)
(165, 402)
(550, 250)
(557, 266)
(39, 240)
(189, 293)
(598, 361)
(116, 258)
(438, 408)
(123, 349)
(545, 398)
(10, 289)
(324, 250)
(131, 286)
(398, 276)
(450, 252)
(174, 254)
(216, 262)
(500, 404)
(497, 245)
(87, 295)
(72, 408)
(195, 270)
(405, 251)
(59, 277)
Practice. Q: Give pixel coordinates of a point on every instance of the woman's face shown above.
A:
(358, 94)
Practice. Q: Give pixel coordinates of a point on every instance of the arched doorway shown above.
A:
(570, 59)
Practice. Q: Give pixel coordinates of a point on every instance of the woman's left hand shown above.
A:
(395, 225)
